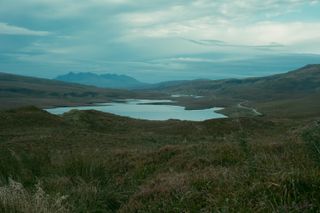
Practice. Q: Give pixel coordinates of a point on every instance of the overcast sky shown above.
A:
(160, 39)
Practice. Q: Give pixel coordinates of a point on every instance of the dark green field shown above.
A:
(96, 162)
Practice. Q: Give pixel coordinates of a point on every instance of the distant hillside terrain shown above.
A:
(296, 93)
(16, 91)
(296, 83)
(103, 81)
(293, 94)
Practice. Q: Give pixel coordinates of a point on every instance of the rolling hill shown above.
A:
(89, 161)
(17, 91)
(296, 83)
(295, 93)
(292, 94)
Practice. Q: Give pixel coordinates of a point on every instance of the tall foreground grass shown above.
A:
(15, 198)
(270, 168)
(175, 178)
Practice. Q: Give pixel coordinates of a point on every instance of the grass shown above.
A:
(20, 91)
(15, 198)
(294, 94)
(96, 162)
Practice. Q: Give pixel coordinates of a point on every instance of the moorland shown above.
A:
(89, 161)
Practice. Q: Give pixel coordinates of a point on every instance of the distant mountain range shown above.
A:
(292, 94)
(104, 81)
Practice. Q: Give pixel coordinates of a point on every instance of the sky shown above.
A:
(158, 40)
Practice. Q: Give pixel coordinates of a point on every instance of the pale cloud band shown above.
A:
(15, 30)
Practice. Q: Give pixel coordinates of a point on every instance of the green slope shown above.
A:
(295, 93)
(18, 91)
(292, 84)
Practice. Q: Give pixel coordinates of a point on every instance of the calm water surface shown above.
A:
(147, 109)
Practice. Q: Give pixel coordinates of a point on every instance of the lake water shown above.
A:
(147, 109)
(182, 96)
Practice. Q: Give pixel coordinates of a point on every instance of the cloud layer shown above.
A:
(158, 40)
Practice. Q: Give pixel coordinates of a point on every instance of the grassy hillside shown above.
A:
(18, 91)
(289, 95)
(292, 94)
(292, 84)
(89, 161)
(94, 162)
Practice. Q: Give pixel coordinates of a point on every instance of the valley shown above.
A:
(163, 106)
(262, 157)
(283, 95)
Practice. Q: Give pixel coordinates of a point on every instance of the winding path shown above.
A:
(249, 108)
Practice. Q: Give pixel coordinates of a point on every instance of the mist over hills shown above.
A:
(103, 81)
(295, 82)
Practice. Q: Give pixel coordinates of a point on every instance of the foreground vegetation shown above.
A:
(96, 162)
